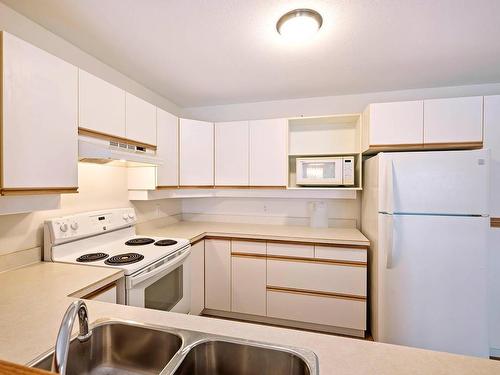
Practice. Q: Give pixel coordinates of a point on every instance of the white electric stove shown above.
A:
(157, 269)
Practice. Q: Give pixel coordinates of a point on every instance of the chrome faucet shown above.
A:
(60, 359)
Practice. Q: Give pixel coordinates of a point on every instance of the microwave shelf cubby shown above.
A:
(325, 137)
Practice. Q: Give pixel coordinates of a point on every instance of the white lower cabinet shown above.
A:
(197, 278)
(302, 285)
(248, 285)
(318, 277)
(332, 311)
(218, 275)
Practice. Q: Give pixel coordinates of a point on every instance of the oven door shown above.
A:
(165, 285)
(319, 171)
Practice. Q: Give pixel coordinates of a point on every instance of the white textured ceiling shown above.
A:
(206, 52)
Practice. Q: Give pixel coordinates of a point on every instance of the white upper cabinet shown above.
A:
(196, 154)
(268, 152)
(101, 105)
(140, 120)
(231, 153)
(168, 150)
(453, 120)
(388, 125)
(39, 125)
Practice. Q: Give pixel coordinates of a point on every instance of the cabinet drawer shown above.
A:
(339, 312)
(317, 276)
(292, 250)
(340, 253)
(248, 247)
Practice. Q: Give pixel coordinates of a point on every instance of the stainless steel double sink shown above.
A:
(120, 347)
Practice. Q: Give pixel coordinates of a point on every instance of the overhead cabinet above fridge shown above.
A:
(431, 124)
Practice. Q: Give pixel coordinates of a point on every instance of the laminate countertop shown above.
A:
(34, 298)
(196, 230)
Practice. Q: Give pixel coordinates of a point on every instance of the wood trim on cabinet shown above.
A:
(495, 222)
(395, 146)
(453, 145)
(8, 368)
(315, 293)
(167, 187)
(288, 242)
(196, 241)
(109, 137)
(39, 190)
(101, 290)
(249, 255)
(196, 186)
(287, 258)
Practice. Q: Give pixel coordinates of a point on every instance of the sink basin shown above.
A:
(119, 348)
(125, 348)
(230, 358)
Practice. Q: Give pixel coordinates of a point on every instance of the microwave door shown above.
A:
(319, 171)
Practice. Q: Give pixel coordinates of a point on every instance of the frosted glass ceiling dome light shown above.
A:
(299, 24)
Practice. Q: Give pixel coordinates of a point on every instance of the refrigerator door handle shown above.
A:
(391, 238)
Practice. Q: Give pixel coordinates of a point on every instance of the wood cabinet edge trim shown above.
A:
(287, 242)
(347, 263)
(495, 222)
(109, 137)
(98, 291)
(249, 255)
(315, 293)
(38, 191)
(454, 145)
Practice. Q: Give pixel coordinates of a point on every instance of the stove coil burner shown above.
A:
(92, 257)
(139, 241)
(127, 258)
(165, 242)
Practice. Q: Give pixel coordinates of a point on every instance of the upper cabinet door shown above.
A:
(40, 114)
(453, 120)
(168, 150)
(140, 119)
(394, 124)
(101, 105)
(231, 153)
(268, 152)
(196, 163)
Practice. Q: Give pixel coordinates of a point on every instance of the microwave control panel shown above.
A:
(348, 170)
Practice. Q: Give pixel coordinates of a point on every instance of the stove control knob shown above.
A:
(74, 226)
(131, 216)
(125, 217)
(63, 227)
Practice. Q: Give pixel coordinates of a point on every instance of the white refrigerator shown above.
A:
(426, 215)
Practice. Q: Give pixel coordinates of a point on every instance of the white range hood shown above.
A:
(99, 151)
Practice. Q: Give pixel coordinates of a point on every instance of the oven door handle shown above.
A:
(174, 263)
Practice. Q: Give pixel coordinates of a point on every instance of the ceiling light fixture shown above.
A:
(299, 24)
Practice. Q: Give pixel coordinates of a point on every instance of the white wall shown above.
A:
(24, 28)
(100, 187)
(328, 105)
(341, 212)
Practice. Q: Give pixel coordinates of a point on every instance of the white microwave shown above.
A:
(333, 171)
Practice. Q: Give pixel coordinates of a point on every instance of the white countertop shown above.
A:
(194, 230)
(33, 300)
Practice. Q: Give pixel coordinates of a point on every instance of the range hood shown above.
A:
(98, 151)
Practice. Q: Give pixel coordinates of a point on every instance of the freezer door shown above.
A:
(434, 292)
(444, 182)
